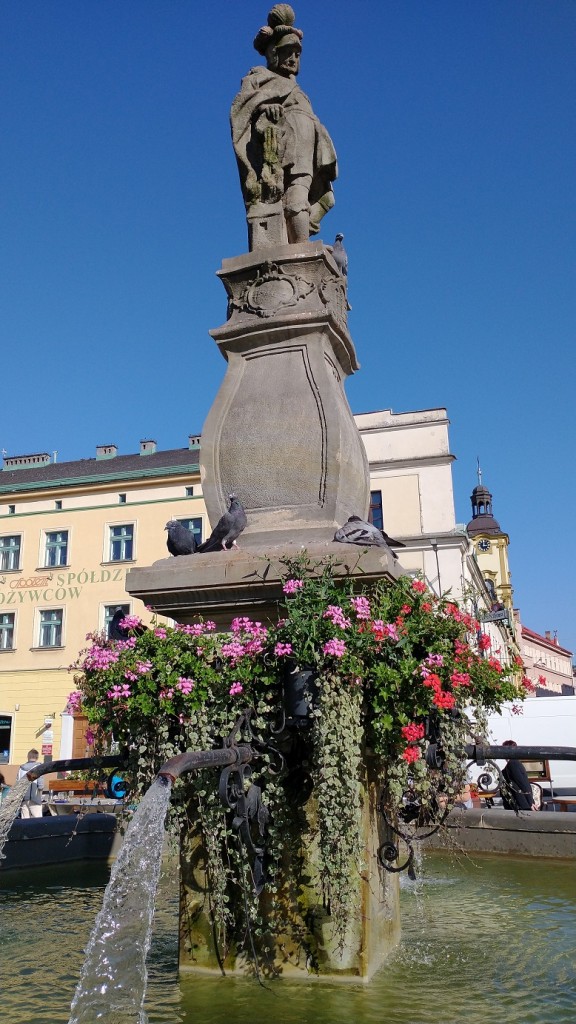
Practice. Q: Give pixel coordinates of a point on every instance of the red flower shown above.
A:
(443, 700)
(518, 661)
(419, 587)
(528, 684)
(405, 609)
(484, 641)
(433, 681)
(413, 732)
(426, 606)
(411, 754)
(495, 664)
(459, 679)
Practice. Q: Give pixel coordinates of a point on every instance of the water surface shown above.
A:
(486, 940)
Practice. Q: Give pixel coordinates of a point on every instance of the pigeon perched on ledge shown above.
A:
(340, 255)
(358, 531)
(227, 529)
(179, 541)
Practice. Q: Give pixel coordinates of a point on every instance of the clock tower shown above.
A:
(490, 546)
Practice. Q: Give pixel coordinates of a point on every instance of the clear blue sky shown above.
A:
(454, 122)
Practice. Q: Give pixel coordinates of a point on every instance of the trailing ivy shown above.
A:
(394, 669)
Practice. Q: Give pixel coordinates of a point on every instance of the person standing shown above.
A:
(32, 803)
(517, 794)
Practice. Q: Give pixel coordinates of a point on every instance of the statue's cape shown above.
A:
(262, 86)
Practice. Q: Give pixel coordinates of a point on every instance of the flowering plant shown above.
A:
(395, 667)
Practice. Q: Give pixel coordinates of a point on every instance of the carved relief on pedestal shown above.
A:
(271, 291)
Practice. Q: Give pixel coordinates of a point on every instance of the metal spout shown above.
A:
(192, 760)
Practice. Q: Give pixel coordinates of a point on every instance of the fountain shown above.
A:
(282, 437)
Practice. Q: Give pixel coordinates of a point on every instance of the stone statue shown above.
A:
(286, 158)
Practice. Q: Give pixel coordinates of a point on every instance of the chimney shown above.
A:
(547, 635)
(27, 461)
(193, 441)
(106, 451)
(147, 447)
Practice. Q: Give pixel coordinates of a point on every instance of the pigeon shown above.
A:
(180, 541)
(227, 529)
(118, 632)
(358, 531)
(339, 254)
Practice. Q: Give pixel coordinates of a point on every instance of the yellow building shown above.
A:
(69, 532)
(491, 548)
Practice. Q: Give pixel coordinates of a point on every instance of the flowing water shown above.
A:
(9, 809)
(488, 940)
(113, 980)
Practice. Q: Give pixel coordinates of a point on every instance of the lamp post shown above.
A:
(434, 546)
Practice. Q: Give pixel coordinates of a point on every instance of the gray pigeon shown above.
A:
(358, 531)
(180, 541)
(227, 529)
(339, 254)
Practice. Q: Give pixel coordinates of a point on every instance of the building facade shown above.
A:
(546, 663)
(69, 532)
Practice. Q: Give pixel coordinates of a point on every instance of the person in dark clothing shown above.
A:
(517, 793)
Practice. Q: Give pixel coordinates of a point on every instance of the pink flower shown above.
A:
(336, 615)
(117, 692)
(131, 676)
(517, 709)
(130, 622)
(484, 641)
(419, 587)
(74, 702)
(411, 754)
(254, 647)
(291, 586)
(191, 629)
(335, 648)
(460, 679)
(142, 667)
(185, 685)
(235, 688)
(166, 694)
(282, 649)
(241, 625)
(160, 633)
(385, 629)
(434, 659)
(90, 737)
(361, 606)
(234, 650)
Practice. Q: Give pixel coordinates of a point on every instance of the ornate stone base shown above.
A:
(309, 952)
(280, 433)
(220, 585)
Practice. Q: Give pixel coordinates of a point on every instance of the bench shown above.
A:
(79, 787)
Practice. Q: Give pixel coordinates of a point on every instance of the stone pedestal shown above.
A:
(308, 951)
(280, 433)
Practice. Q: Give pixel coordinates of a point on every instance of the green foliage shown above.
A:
(395, 666)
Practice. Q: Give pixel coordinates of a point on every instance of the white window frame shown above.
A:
(20, 537)
(10, 715)
(108, 540)
(112, 604)
(43, 562)
(40, 623)
(4, 632)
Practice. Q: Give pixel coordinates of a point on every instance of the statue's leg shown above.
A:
(297, 211)
(317, 211)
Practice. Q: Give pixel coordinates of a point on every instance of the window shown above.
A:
(7, 632)
(50, 628)
(56, 549)
(195, 527)
(5, 737)
(121, 543)
(189, 492)
(375, 515)
(58, 505)
(9, 553)
(122, 499)
(11, 510)
(109, 613)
